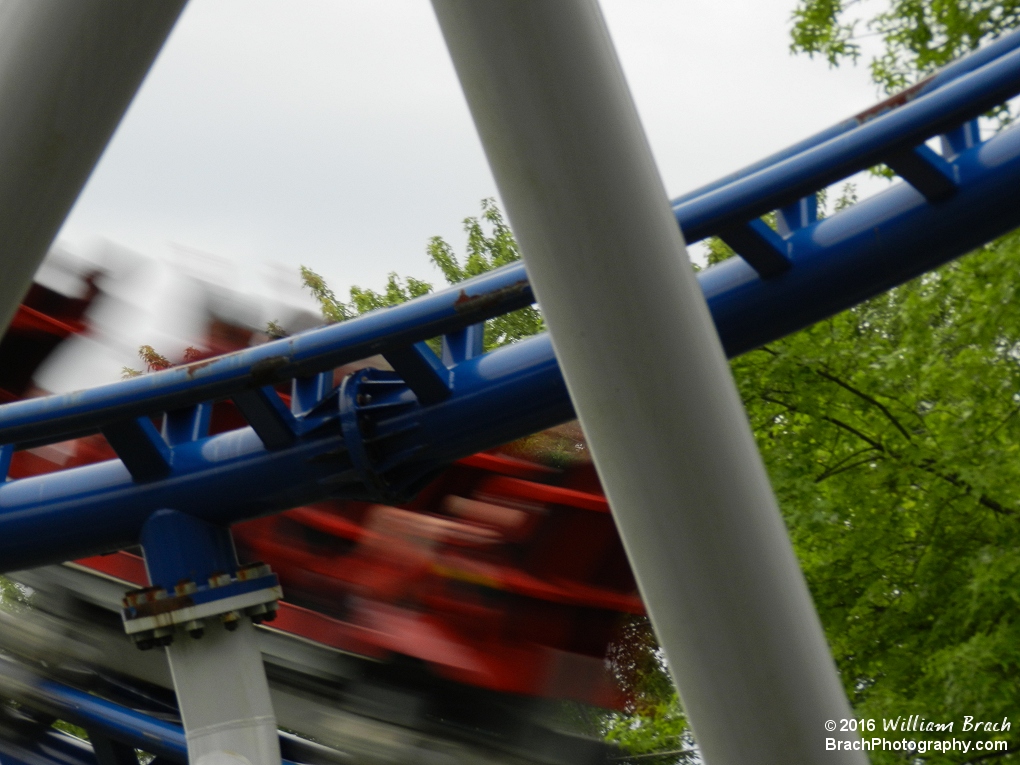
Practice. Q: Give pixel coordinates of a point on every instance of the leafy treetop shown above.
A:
(919, 36)
(891, 434)
(486, 250)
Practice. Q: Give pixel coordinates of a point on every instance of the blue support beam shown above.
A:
(52, 747)
(180, 547)
(140, 447)
(139, 730)
(463, 344)
(797, 215)
(382, 434)
(422, 370)
(188, 424)
(926, 171)
(307, 392)
(762, 248)
(736, 204)
(868, 248)
(269, 418)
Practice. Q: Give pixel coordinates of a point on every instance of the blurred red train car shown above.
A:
(505, 573)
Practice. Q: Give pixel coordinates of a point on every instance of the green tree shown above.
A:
(891, 435)
(918, 36)
(332, 309)
(490, 244)
(652, 728)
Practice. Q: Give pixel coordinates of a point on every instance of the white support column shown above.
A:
(68, 71)
(648, 378)
(198, 591)
(224, 697)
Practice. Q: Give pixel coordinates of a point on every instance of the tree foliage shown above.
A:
(157, 362)
(653, 726)
(490, 244)
(891, 433)
(918, 36)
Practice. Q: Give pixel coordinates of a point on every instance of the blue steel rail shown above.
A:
(382, 434)
(113, 722)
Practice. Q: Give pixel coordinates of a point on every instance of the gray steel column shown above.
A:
(223, 696)
(68, 70)
(648, 378)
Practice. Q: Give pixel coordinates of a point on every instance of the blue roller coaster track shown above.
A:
(381, 435)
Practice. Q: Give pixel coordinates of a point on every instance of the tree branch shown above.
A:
(851, 429)
(837, 471)
(926, 465)
(870, 399)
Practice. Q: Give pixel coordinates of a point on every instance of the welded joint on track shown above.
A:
(140, 447)
(306, 393)
(926, 171)
(763, 249)
(182, 426)
(464, 344)
(422, 370)
(958, 140)
(271, 420)
(798, 215)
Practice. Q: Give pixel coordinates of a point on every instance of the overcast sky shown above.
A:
(333, 133)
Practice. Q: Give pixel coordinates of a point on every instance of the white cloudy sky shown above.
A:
(333, 133)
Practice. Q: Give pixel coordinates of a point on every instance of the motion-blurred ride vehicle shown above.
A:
(465, 615)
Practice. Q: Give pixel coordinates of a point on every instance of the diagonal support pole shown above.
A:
(648, 378)
(67, 74)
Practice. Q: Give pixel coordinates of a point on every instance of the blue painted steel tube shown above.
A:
(864, 250)
(99, 508)
(946, 74)
(839, 261)
(516, 390)
(163, 739)
(119, 723)
(471, 301)
(231, 477)
(784, 182)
